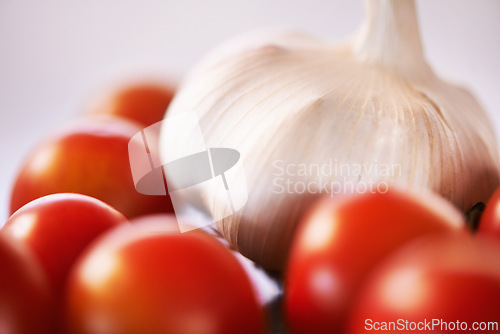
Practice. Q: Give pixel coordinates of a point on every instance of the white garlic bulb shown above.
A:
(310, 118)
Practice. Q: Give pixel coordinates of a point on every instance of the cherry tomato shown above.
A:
(145, 103)
(490, 219)
(439, 284)
(25, 300)
(341, 240)
(152, 280)
(58, 227)
(89, 157)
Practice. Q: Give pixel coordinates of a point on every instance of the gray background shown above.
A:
(57, 55)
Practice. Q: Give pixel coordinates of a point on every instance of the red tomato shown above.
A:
(490, 219)
(341, 240)
(445, 284)
(91, 158)
(145, 103)
(25, 302)
(58, 227)
(150, 281)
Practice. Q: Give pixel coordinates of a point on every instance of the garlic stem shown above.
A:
(286, 99)
(389, 37)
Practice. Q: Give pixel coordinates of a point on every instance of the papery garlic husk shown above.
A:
(287, 100)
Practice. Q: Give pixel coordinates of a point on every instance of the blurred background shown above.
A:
(58, 56)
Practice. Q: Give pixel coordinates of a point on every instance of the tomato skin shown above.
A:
(58, 227)
(340, 241)
(89, 157)
(158, 281)
(145, 103)
(448, 277)
(25, 300)
(490, 220)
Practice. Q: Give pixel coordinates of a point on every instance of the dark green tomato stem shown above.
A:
(473, 216)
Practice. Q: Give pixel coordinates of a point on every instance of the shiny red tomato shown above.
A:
(446, 284)
(25, 301)
(145, 103)
(490, 219)
(341, 240)
(151, 280)
(58, 227)
(89, 157)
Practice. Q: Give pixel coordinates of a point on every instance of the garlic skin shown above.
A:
(287, 100)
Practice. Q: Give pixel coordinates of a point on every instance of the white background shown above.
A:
(56, 55)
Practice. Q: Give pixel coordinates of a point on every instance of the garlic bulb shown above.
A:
(310, 118)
